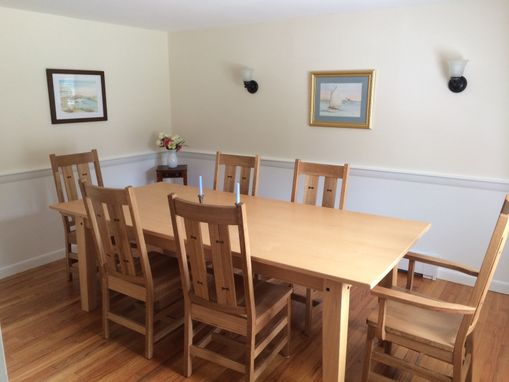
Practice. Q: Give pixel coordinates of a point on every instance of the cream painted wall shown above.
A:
(418, 124)
(135, 62)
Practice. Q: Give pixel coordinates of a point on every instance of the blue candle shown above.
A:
(201, 186)
(237, 193)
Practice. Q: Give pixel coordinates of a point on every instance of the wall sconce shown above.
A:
(457, 83)
(249, 83)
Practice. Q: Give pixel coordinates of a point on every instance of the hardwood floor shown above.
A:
(48, 337)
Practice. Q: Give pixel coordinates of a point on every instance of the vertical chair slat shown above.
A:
(83, 172)
(310, 189)
(222, 264)
(197, 258)
(115, 239)
(99, 210)
(69, 183)
(245, 176)
(229, 178)
(329, 192)
(123, 244)
(344, 184)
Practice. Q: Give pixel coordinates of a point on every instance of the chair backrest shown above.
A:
(64, 168)
(230, 163)
(313, 172)
(489, 265)
(113, 215)
(207, 266)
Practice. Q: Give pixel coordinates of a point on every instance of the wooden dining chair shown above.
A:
(219, 290)
(331, 175)
(434, 328)
(127, 269)
(65, 168)
(230, 163)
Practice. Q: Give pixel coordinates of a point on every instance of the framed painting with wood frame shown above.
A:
(76, 95)
(341, 98)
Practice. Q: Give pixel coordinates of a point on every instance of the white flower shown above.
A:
(162, 135)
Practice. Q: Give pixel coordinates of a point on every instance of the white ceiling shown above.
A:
(195, 14)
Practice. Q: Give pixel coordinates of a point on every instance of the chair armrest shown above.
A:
(412, 256)
(422, 302)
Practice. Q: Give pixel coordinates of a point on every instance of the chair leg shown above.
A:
(149, 328)
(188, 342)
(68, 261)
(457, 370)
(250, 355)
(387, 347)
(470, 348)
(309, 312)
(286, 350)
(106, 309)
(367, 357)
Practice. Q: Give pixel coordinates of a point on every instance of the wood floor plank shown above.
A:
(49, 338)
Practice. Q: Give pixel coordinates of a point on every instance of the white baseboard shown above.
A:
(37, 261)
(460, 278)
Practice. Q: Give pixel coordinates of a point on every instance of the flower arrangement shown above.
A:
(170, 143)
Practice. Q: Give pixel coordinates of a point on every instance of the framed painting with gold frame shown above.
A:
(341, 98)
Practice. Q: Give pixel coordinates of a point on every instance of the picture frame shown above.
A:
(76, 95)
(341, 98)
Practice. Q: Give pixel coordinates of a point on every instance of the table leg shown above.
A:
(336, 302)
(87, 266)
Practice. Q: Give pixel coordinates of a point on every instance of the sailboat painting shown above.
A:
(341, 98)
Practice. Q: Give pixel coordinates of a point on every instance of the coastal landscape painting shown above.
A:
(76, 95)
(341, 98)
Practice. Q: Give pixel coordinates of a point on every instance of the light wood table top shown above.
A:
(344, 246)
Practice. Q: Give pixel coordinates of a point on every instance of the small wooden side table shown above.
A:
(176, 172)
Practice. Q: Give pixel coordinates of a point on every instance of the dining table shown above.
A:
(326, 249)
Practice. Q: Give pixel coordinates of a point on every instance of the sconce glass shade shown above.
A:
(457, 83)
(457, 67)
(247, 74)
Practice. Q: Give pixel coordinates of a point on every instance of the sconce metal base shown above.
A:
(251, 86)
(200, 198)
(457, 84)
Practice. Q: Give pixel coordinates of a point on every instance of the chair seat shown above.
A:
(428, 327)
